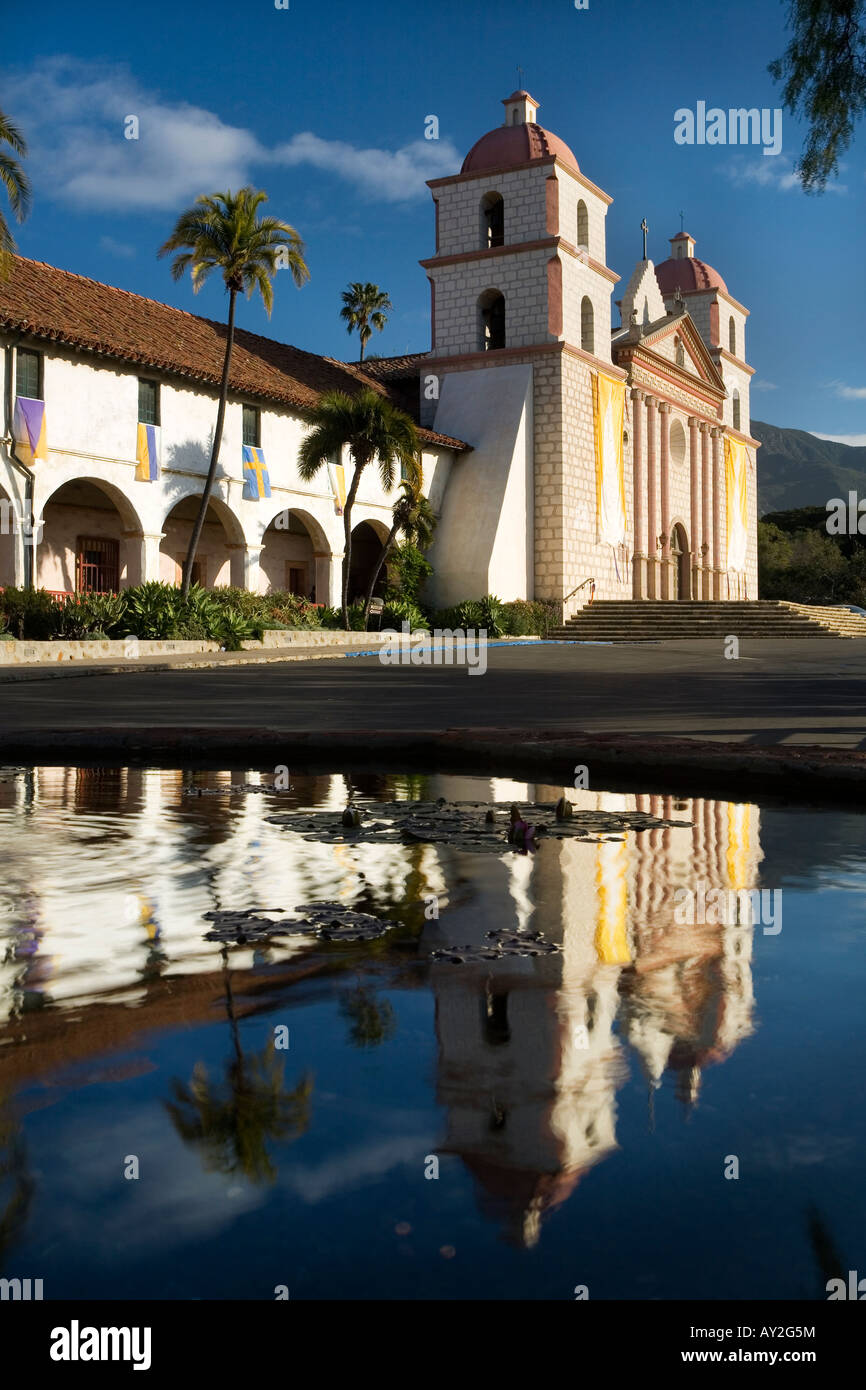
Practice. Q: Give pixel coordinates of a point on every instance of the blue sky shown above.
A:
(323, 104)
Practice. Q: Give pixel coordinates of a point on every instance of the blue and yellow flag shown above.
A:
(29, 429)
(257, 483)
(147, 454)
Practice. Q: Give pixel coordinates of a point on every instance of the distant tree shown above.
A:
(824, 74)
(224, 232)
(363, 306)
(17, 185)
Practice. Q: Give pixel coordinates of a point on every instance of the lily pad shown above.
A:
(464, 824)
(499, 945)
(328, 921)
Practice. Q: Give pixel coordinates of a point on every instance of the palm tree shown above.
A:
(232, 1125)
(364, 305)
(224, 232)
(372, 427)
(415, 520)
(17, 186)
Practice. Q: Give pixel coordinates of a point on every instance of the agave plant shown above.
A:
(92, 615)
(153, 610)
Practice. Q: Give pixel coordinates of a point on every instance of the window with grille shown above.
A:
(252, 418)
(28, 374)
(148, 402)
(97, 567)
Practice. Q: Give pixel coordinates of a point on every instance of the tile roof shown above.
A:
(389, 368)
(45, 302)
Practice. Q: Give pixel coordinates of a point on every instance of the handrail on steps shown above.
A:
(580, 586)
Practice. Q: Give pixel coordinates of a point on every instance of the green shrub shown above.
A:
(400, 610)
(232, 628)
(530, 617)
(473, 613)
(87, 617)
(152, 611)
(31, 614)
(407, 570)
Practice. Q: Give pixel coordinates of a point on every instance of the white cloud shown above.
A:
(762, 385)
(75, 114)
(114, 247)
(853, 439)
(777, 173)
(392, 175)
(848, 393)
(74, 117)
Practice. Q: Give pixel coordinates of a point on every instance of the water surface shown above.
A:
(582, 1108)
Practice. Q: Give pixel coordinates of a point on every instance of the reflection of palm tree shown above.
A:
(13, 1167)
(830, 1263)
(372, 1020)
(232, 1125)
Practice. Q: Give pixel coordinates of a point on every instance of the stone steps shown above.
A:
(653, 620)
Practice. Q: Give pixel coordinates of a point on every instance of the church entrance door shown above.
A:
(682, 566)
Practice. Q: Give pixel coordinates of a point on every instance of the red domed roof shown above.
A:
(510, 145)
(688, 273)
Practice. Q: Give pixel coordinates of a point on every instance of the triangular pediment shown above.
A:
(698, 361)
(652, 344)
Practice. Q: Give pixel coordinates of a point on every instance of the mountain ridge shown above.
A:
(796, 469)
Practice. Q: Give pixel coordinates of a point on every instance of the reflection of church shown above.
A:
(532, 1052)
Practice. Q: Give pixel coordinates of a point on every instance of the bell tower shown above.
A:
(521, 318)
(520, 245)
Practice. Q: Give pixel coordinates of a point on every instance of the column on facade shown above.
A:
(707, 579)
(716, 434)
(244, 565)
(327, 575)
(250, 556)
(639, 563)
(329, 578)
(695, 509)
(667, 569)
(652, 567)
(148, 565)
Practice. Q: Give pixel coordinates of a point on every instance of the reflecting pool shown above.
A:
(668, 1105)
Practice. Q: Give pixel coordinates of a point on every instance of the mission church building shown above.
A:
(563, 457)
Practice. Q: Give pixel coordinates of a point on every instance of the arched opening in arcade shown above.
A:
(219, 558)
(682, 562)
(91, 540)
(295, 556)
(9, 527)
(367, 544)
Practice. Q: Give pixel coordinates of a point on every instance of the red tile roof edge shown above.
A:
(284, 389)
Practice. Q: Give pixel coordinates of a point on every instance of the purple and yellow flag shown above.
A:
(29, 429)
(257, 483)
(147, 454)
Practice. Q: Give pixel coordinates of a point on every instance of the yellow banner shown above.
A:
(338, 486)
(737, 503)
(608, 409)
